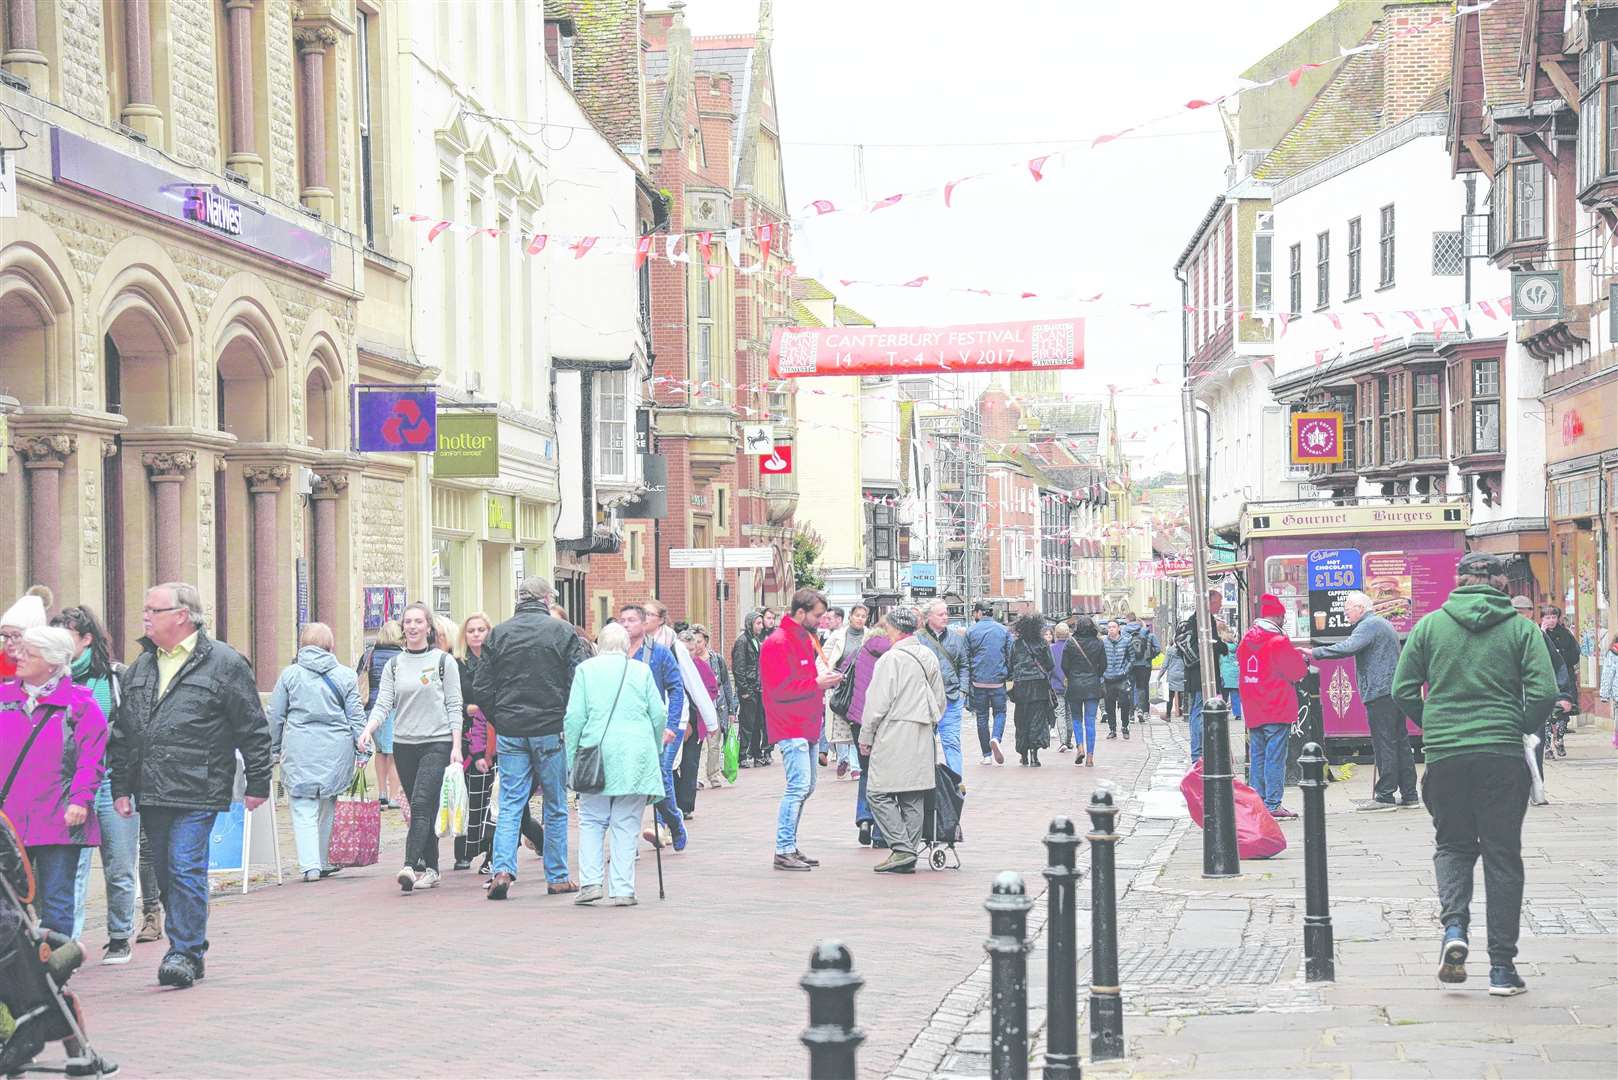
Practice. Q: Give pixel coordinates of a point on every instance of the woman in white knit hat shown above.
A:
(30, 610)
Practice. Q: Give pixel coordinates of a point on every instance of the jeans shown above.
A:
(949, 735)
(1083, 714)
(685, 785)
(151, 896)
(1118, 691)
(311, 829)
(1141, 677)
(862, 805)
(180, 858)
(1477, 802)
(1267, 762)
(752, 722)
(421, 774)
(55, 867)
(1390, 747)
(1064, 729)
(668, 807)
(615, 818)
(900, 814)
(120, 852)
(799, 761)
(1234, 697)
(524, 760)
(984, 700)
(1196, 725)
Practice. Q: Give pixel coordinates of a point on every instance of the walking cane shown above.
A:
(657, 848)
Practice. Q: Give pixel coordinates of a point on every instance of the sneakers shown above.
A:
(330, 871)
(1281, 813)
(588, 895)
(865, 834)
(177, 971)
(1505, 982)
(429, 879)
(117, 952)
(500, 886)
(996, 753)
(896, 863)
(1126, 733)
(1064, 748)
(1409, 803)
(987, 760)
(1452, 956)
(791, 861)
(1112, 734)
(406, 878)
(842, 769)
(623, 901)
(1371, 806)
(151, 927)
(680, 836)
(462, 864)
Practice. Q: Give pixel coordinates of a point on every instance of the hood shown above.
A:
(747, 623)
(1478, 607)
(877, 644)
(317, 660)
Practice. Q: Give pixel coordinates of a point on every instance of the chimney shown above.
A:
(1417, 41)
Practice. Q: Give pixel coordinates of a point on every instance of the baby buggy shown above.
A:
(941, 819)
(35, 965)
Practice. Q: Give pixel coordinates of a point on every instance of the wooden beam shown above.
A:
(1537, 147)
(1480, 154)
(1563, 84)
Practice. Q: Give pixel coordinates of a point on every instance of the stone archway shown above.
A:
(36, 326)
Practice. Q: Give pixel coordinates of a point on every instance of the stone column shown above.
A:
(313, 41)
(22, 56)
(141, 111)
(167, 470)
(43, 458)
(243, 157)
(263, 486)
(327, 490)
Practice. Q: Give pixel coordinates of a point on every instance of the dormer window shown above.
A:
(559, 47)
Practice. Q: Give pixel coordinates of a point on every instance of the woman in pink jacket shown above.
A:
(53, 741)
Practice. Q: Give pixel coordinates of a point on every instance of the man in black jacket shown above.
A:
(522, 683)
(189, 704)
(744, 670)
(1187, 641)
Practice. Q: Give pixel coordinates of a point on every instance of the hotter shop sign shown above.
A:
(874, 350)
(467, 446)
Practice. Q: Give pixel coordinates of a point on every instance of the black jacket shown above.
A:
(1083, 662)
(1030, 671)
(526, 671)
(1565, 644)
(744, 665)
(179, 751)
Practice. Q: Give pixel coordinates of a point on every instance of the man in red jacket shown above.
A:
(789, 674)
(1269, 665)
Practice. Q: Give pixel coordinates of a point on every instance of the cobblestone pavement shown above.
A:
(1212, 971)
(348, 977)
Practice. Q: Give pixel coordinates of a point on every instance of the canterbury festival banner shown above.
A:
(1034, 345)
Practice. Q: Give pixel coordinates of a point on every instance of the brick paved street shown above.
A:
(349, 977)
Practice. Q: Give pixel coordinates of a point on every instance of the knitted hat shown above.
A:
(1270, 607)
(27, 613)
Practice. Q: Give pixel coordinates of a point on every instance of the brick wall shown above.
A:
(1417, 60)
(606, 65)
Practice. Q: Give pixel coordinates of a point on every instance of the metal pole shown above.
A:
(1319, 964)
(1199, 541)
(1062, 953)
(1007, 946)
(1220, 858)
(832, 1037)
(1106, 997)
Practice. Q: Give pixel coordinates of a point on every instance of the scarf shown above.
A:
(33, 693)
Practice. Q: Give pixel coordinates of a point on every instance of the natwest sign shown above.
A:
(211, 207)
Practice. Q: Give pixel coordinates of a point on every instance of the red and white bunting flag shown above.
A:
(1285, 319)
(413, 218)
(536, 243)
(1297, 73)
(1488, 311)
(705, 245)
(980, 292)
(1414, 318)
(1320, 356)
(582, 247)
(1335, 320)
(432, 233)
(713, 271)
(1452, 316)
(1505, 305)
(883, 204)
(766, 233)
(1374, 317)
(1093, 299)
(1029, 295)
(916, 283)
(1037, 166)
(733, 244)
(1109, 138)
(1199, 103)
(1376, 342)
(949, 189)
(822, 206)
(676, 248)
(643, 249)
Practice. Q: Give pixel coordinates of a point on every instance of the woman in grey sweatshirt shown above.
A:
(422, 688)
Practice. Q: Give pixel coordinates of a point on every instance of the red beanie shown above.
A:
(1270, 607)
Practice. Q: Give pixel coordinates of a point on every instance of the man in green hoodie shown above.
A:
(1488, 680)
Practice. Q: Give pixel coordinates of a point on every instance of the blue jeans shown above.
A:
(523, 760)
(311, 830)
(1196, 726)
(179, 841)
(1267, 762)
(55, 866)
(949, 734)
(1083, 712)
(668, 808)
(616, 817)
(985, 699)
(1235, 699)
(1142, 678)
(798, 759)
(120, 850)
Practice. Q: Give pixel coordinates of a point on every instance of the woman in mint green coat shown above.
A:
(614, 704)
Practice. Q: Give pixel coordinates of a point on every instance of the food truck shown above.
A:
(1402, 555)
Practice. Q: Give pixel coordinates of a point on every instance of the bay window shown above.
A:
(1527, 193)
(612, 425)
(1263, 271)
(1427, 433)
(1475, 417)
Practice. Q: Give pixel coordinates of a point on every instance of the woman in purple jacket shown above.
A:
(53, 741)
(876, 643)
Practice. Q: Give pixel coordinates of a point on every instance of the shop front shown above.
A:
(1581, 462)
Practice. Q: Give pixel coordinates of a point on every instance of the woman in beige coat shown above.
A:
(902, 709)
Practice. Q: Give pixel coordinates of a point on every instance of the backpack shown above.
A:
(1185, 644)
(1140, 650)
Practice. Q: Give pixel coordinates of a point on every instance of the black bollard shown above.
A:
(1318, 962)
(1106, 997)
(831, 1036)
(1062, 953)
(1007, 946)
(1219, 859)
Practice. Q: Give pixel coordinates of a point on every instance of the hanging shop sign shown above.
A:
(1046, 344)
(468, 445)
(502, 516)
(1536, 294)
(389, 419)
(923, 579)
(1317, 438)
(758, 438)
(778, 462)
(652, 501)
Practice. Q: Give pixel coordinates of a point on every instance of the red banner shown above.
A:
(1034, 345)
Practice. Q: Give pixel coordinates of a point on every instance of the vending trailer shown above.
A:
(1312, 555)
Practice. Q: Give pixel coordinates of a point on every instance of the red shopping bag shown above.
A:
(1258, 835)
(356, 827)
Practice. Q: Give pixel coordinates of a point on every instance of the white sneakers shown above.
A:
(406, 879)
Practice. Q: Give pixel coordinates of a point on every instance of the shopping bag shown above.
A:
(452, 800)
(733, 753)
(1258, 835)
(356, 826)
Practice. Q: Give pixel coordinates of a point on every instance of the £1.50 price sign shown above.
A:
(1333, 574)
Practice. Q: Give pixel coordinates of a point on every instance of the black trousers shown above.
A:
(421, 774)
(479, 838)
(1390, 747)
(1477, 802)
(1118, 700)
(685, 774)
(752, 733)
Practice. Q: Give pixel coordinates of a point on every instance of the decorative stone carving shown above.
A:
(168, 464)
(329, 485)
(46, 451)
(266, 477)
(314, 38)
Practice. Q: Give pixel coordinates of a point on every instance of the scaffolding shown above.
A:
(956, 432)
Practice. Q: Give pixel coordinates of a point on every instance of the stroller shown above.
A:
(941, 818)
(35, 965)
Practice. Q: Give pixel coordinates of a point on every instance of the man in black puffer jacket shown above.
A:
(744, 670)
(189, 703)
(522, 684)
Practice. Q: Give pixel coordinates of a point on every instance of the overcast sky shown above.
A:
(1025, 74)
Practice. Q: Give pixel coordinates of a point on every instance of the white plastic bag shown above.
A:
(1536, 780)
(452, 804)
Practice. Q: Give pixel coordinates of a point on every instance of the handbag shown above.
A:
(452, 804)
(842, 696)
(589, 774)
(356, 826)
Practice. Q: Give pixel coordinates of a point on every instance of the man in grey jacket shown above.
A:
(949, 645)
(1375, 648)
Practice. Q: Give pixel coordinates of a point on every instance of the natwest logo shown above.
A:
(210, 207)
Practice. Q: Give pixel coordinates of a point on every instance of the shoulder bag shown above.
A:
(589, 775)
